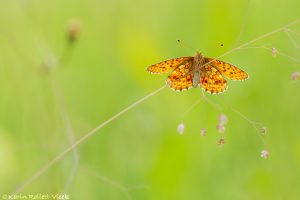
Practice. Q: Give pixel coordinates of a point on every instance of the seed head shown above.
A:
(295, 76)
(274, 51)
(263, 130)
(203, 131)
(221, 128)
(49, 64)
(223, 119)
(264, 154)
(74, 28)
(180, 128)
(221, 142)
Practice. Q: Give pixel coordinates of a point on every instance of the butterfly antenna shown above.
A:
(186, 45)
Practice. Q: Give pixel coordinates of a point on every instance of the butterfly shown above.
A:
(207, 73)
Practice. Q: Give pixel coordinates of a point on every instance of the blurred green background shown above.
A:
(54, 92)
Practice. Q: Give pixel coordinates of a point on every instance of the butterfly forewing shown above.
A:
(228, 70)
(211, 80)
(168, 65)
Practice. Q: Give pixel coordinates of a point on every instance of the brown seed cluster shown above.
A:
(73, 31)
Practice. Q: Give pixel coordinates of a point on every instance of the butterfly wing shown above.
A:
(211, 80)
(228, 70)
(181, 79)
(168, 65)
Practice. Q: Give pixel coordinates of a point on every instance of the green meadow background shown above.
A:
(53, 91)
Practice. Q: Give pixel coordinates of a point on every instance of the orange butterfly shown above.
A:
(208, 73)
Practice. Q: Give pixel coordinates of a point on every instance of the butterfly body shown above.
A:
(198, 61)
(207, 73)
(196, 78)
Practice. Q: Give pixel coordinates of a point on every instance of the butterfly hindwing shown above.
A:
(211, 80)
(180, 79)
